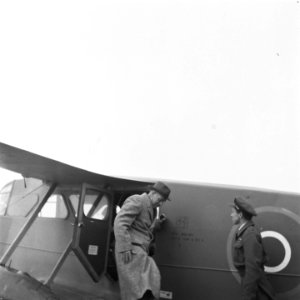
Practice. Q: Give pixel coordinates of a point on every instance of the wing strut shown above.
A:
(10, 250)
(59, 263)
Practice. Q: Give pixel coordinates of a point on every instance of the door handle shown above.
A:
(80, 224)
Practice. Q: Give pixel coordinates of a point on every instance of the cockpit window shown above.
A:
(21, 207)
(25, 196)
(21, 197)
(55, 207)
(74, 199)
(95, 204)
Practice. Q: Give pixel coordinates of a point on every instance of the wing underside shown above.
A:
(33, 165)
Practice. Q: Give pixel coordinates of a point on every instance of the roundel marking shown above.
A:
(287, 251)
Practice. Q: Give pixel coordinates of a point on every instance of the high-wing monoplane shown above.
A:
(57, 242)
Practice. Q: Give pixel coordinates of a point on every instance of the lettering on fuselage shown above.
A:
(185, 237)
(182, 222)
(183, 232)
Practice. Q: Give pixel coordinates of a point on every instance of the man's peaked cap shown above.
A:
(242, 204)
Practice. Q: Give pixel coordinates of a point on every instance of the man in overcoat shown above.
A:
(139, 277)
(249, 255)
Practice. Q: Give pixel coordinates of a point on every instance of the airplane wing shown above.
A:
(32, 165)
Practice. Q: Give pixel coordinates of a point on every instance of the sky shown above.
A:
(202, 91)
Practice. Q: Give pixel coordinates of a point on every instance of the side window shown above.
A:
(74, 199)
(22, 206)
(96, 205)
(55, 207)
(25, 196)
(20, 198)
(4, 196)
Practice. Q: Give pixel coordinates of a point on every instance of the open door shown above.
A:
(92, 233)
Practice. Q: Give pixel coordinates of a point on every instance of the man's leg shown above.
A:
(147, 296)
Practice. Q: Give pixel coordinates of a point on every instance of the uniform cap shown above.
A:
(240, 203)
(161, 188)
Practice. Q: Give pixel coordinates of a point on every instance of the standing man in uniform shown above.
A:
(249, 255)
(139, 277)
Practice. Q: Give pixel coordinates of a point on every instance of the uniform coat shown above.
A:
(133, 231)
(249, 258)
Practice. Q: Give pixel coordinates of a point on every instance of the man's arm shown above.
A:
(158, 223)
(253, 260)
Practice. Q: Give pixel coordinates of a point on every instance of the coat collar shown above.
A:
(242, 230)
(149, 206)
(148, 201)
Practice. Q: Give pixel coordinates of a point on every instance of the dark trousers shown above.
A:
(264, 289)
(147, 296)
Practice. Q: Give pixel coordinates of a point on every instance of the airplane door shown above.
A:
(92, 233)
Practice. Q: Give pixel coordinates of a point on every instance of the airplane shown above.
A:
(57, 242)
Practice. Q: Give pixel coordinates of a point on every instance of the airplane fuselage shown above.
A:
(193, 249)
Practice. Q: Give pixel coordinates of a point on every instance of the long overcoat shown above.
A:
(249, 258)
(133, 231)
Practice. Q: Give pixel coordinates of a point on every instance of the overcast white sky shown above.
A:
(204, 91)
